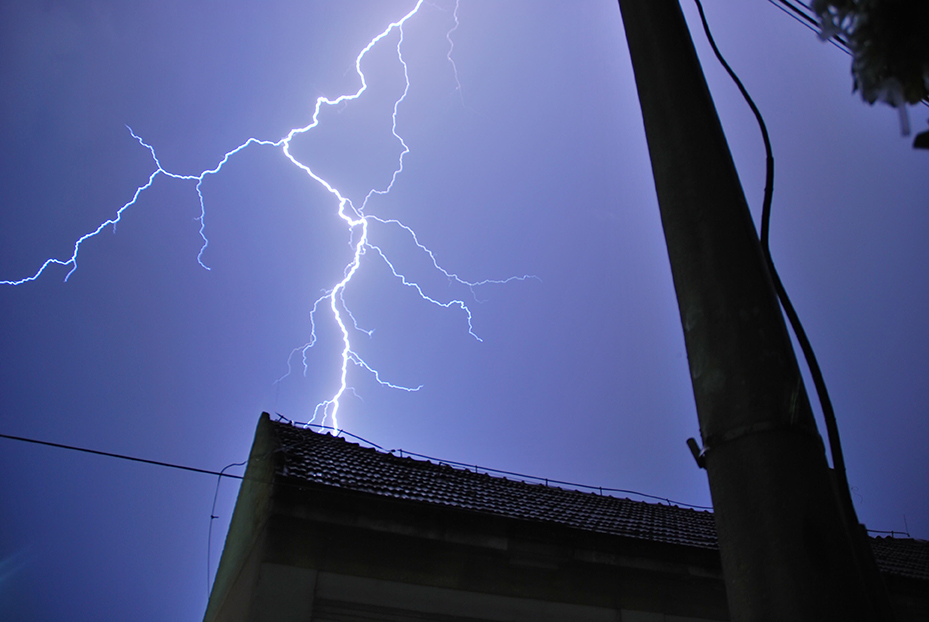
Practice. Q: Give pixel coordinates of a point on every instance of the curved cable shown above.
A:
(832, 429)
(209, 535)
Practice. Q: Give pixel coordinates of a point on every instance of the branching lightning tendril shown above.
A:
(354, 217)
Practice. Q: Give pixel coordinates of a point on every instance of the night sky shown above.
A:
(535, 165)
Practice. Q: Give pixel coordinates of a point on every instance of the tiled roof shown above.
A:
(902, 556)
(333, 461)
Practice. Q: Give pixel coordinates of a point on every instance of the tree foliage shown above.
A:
(889, 41)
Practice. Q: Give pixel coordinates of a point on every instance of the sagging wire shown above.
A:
(832, 429)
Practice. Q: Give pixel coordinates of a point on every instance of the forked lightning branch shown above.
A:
(355, 217)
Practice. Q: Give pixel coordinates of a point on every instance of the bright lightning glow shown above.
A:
(354, 217)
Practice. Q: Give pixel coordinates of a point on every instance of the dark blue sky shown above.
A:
(537, 165)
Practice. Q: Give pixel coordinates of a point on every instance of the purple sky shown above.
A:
(537, 165)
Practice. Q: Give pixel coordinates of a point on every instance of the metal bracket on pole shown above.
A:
(699, 454)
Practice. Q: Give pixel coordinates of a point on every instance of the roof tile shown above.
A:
(332, 461)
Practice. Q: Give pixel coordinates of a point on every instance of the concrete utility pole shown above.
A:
(787, 543)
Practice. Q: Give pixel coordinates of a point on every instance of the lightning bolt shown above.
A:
(355, 218)
(451, 48)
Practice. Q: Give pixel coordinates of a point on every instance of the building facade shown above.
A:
(327, 530)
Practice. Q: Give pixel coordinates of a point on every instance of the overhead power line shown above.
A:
(809, 19)
(108, 454)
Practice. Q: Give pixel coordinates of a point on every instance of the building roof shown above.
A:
(902, 556)
(335, 462)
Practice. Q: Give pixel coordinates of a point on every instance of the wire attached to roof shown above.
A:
(477, 469)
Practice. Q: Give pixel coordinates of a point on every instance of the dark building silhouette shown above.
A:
(327, 530)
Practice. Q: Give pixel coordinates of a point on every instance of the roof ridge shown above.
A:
(530, 480)
(317, 458)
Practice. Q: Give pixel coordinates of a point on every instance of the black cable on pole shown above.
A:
(832, 429)
(863, 557)
(108, 454)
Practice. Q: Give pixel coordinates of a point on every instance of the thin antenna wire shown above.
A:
(209, 536)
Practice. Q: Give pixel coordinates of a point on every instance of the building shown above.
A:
(327, 530)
